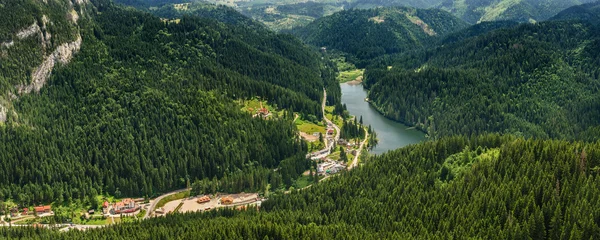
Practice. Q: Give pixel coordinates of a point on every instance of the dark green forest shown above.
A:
(367, 34)
(148, 104)
(490, 187)
(535, 80)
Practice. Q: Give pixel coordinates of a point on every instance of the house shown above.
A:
(43, 209)
(128, 205)
(226, 200)
(342, 142)
(105, 208)
(330, 132)
(14, 212)
(25, 211)
(92, 211)
(264, 112)
(203, 199)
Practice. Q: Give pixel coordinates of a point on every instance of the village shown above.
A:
(331, 153)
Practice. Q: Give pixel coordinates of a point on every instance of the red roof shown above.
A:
(105, 204)
(42, 208)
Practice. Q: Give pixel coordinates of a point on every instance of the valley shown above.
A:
(358, 119)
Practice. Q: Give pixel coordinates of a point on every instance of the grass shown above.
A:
(92, 221)
(336, 156)
(350, 75)
(302, 182)
(178, 207)
(337, 120)
(309, 127)
(173, 197)
(315, 146)
(141, 213)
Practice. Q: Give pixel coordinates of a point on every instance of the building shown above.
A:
(262, 111)
(226, 200)
(342, 142)
(128, 205)
(330, 132)
(203, 199)
(43, 209)
(25, 211)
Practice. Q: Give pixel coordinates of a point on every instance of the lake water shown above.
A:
(391, 134)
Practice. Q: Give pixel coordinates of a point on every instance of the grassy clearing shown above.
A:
(336, 119)
(350, 75)
(173, 197)
(336, 156)
(253, 105)
(303, 181)
(92, 221)
(309, 127)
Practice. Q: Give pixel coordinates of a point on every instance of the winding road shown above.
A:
(156, 200)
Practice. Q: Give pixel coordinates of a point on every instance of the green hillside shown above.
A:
(474, 11)
(535, 80)
(487, 187)
(147, 104)
(367, 34)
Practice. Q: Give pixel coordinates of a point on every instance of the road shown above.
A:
(156, 200)
(337, 129)
(362, 144)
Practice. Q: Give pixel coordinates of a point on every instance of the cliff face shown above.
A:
(40, 35)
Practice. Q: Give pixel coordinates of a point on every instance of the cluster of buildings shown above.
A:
(128, 205)
(330, 167)
(15, 211)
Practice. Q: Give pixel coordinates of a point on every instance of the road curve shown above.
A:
(156, 200)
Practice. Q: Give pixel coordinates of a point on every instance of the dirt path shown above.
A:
(362, 144)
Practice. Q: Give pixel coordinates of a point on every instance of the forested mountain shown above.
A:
(474, 11)
(147, 104)
(366, 34)
(589, 12)
(535, 80)
(487, 187)
(477, 30)
(35, 36)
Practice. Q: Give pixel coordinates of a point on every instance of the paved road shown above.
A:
(156, 200)
(337, 129)
(325, 151)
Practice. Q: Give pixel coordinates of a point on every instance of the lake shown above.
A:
(391, 134)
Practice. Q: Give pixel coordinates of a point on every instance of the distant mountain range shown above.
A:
(370, 33)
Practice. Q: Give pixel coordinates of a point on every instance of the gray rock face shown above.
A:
(63, 54)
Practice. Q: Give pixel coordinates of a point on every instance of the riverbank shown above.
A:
(391, 134)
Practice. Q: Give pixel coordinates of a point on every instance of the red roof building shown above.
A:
(43, 209)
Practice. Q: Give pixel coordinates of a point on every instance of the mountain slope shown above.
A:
(587, 12)
(35, 36)
(474, 11)
(366, 34)
(147, 105)
(536, 80)
(487, 187)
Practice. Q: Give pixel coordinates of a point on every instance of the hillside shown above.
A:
(535, 80)
(486, 187)
(366, 34)
(148, 104)
(474, 11)
(35, 36)
(587, 12)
